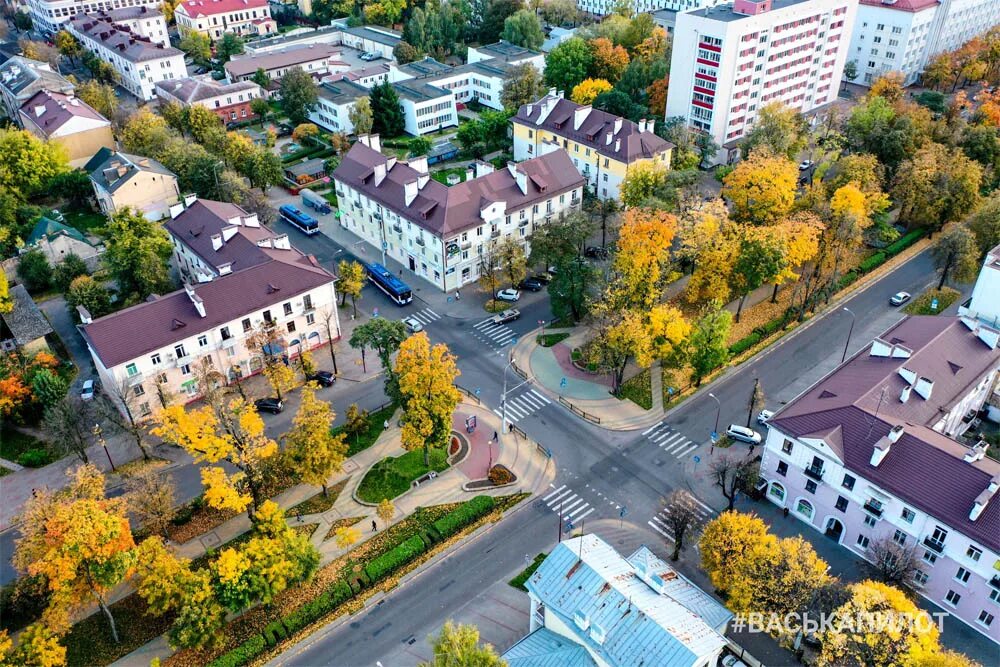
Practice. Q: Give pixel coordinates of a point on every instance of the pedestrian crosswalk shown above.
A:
(661, 524)
(494, 334)
(670, 441)
(425, 316)
(566, 502)
(523, 405)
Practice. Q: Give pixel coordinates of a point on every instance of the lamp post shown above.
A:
(718, 410)
(99, 435)
(849, 332)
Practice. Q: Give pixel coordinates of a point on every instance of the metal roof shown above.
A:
(544, 648)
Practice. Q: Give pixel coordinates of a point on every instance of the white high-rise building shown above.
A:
(50, 15)
(730, 60)
(903, 35)
(605, 7)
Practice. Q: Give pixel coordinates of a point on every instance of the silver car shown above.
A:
(743, 434)
(899, 298)
(413, 325)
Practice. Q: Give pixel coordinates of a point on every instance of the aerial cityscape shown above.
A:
(499, 333)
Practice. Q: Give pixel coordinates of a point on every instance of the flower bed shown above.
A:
(922, 304)
(341, 523)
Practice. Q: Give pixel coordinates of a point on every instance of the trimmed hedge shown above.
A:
(395, 558)
(873, 262)
(459, 518)
(846, 280)
(904, 242)
(242, 654)
(745, 343)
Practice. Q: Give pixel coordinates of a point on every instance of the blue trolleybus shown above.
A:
(394, 288)
(306, 223)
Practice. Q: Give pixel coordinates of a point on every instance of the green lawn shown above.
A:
(442, 176)
(548, 340)
(922, 304)
(365, 439)
(639, 390)
(319, 502)
(518, 581)
(391, 477)
(86, 221)
(14, 443)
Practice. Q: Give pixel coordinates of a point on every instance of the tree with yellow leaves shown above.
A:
(643, 182)
(935, 186)
(899, 633)
(350, 281)
(345, 536)
(587, 90)
(225, 430)
(761, 188)
(265, 341)
(80, 542)
(36, 647)
(642, 258)
(386, 511)
(642, 336)
(427, 389)
(312, 452)
(800, 236)
(777, 577)
(727, 541)
(161, 579)
(6, 303)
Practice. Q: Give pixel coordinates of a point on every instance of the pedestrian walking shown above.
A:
(495, 436)
(385, 425)
(374, 526)
(458, 297)
(751, 449)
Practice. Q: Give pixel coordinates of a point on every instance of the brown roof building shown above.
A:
(67, 120)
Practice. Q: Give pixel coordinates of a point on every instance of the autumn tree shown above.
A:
(37, 646)
(68, 425)
(331, 324)
(522, 84)
(761, 188)
(136, 254)
(656, 94)
(459, 645)
(643, 182)
(312, 452)
(150, 496)
(197, 45)
(609, 60)
(350, 281)
(681, 516)
(727, 541)
(643, 256)
(427, 392)
(984, 223)
(780, 129)
(734, 475)
(68, 45)
(360, 116)
(511, 259)
(587, 90)
(893, 563)
(80, 541)
(956, 254)
(777, 577)
(28, 164)
(707, 342)
(523, 29)
(101, 96)
(937, 185)
(386, 511)
(345, 536)
(759, 260)
(636, 335)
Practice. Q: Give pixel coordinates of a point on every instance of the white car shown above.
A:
(764, 415)
(732, 661)
(805, 164)
(743, 434)
(87, 390)
(413, 325)
(899, 298)
(509, 295)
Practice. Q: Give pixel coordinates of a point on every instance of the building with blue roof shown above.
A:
(592, 606)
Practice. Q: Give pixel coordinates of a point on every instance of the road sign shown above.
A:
(513, 341)
(623, 512)
(569, 525)
(670, 391)
(477, 391)
(715, 437)
(548, 452)
(470, 424)
(934, 304)
(385, 245)
(697, 459)
(562, 383)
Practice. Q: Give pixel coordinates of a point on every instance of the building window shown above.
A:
(144, 409)
(186, 369)
(291, 327)
(908, 515)
(180, 351)
(786, 446)
(307, 302)
(986, 618)
(777, 491)
(962, 575)
(899, 537)
(848, 482)
(287, 308)
(310, 318)
(202, 341)
(805, 508)
(782, 467)
(863, 541)
(974, 553)
(930, 557)
(267, 316)
(138, 390)
(870, 521)
(995, 595)
(841, 503)
(155, 359)
(810, 486)
(131, 370)
(247, 326)
(952, 598)
(920, 577)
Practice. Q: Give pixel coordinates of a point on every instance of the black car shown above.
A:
(284, 130)
(596, 252)
(543, 278)
(531, 284)
(272, 405)
(322, 378)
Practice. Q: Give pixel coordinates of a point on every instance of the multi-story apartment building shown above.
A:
(21, 78)
(603, 147)
(370, 39)
(143, 21)
(214, 17)
(984, 304)
(605, 7)
(68, 121)
(334, 102)
(229, 101)
(874, 451)
(441, 233)
(50, 15)
(315, 59)
(238, 275)
(730, 60)
(142, 183)
(902, 35)
(138, 60)
(426, 107)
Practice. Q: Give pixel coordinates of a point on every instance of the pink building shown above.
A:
(875, 450)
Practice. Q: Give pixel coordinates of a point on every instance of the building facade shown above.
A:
(878, 450)
(68, 121)
(751, 53)
(315, 59)
(238, 275)
(426, 107)
(139, 61)
(603, 147)
(22, 78)
(984, 304)
(49, 16)
(370, 39)
(121, 180)
(228, 101)
(444, 234)
(605, 7)
(214, 17)
(335, 100)
(148, 23)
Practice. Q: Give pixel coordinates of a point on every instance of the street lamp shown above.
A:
(718, 410)
(99, 435)
(849, 332)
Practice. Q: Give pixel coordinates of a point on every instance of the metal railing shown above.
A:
(524, 376)
(469, 394)
(577, 411)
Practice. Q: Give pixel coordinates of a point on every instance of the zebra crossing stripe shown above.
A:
(489, 321)
(668, 441)
(518, 411)
(423, 319)
(540, 396)
(525, 398)
(502, 332)
(707, 508)
(582, 516)
(577, 510)
(554, 492)
(561, 496)
(692, 446)
(677, 446)
(652, 428)
(576, 500)
(436, 316)
(662, 532)
(499, 414)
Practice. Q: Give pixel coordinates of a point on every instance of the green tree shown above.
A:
(99, 95)
(387, 114)
(68, 45)
(497, 12)
(620, 104)
(197, 45)
(28, 164)
(524, 29)
(404, 52)
(230, 45)
(298, 95)
(956, 254)
(137, 251)
(6, 303)
(522, 84)
(458, 645)
(360, 116)
(92, 295)
(850, 72)
(263, 169)
(561, 239)
(760, 261)
(419, 146)
(782, 129)
(573, 288)
(937, 185)
(384, 336)
(707, 347)
(35, 271)
(568, 64)
(261, 78)
(985, 223)
(48, 387)
(512, 259)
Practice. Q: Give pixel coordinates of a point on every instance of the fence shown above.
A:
(469, 394)
(577, 411)
(524, 376)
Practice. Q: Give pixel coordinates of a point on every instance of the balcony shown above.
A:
(228, 343)
(495, 235)
(134, 379)
(183, 361)
(398, 229)
(421, 242)
(376, 216)
(815, 472)
(874, 508)
(931, 543)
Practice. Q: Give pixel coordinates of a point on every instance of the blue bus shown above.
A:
(394, 288)
(305, 223)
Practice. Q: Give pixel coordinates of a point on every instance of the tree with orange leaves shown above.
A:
(80, 542)
(609, 61)
(13, 393)
(657, 92)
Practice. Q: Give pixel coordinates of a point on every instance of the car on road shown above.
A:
(413, 325)
(743, 434)
(596, 252)
(322, 378)
(506, 316)
(805, 164)
(899, 298)
(272, 405)
(509, 295)
(732, 661)
(284, 130)
(87, 391)
(368, 56)
(764, 415)
(531, 284)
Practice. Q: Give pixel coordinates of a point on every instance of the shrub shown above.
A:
(904, 242)
(274, 633)
(34, 458)
(242, 654)
(459, 518)
(846, 280)
(499, 476)
(312, 611)
(876, 260)
(395, 558)
(744, 344)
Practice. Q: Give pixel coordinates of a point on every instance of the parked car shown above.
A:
(543, 278)
(506, 316)
(596, 252)
(531, 284)
(285, 130)
(87, 391)
(368, 56)
(272, 405)
(743, 434)
(413, 325)
(322, 378)
(805, 164)
(899, 298)
(764, 415)
(508, 295)
(732, 661)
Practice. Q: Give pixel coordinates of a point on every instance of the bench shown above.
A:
(425, 478)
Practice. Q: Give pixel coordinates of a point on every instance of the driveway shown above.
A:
(59, 317)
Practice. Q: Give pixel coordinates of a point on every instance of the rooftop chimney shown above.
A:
(579, 115)
(190, 199)
(419, 164)
(896, 433)
(379, 174)
(217, 242)
(618, 145)
(176, 210)
(983, 498)
(483, 168)
(228, 233)
(880, 348)
(199, 305)
(409, 192)
(907, 374)
(470, 173)
(924, 387)
(880, 451)
(904, 395)
(251, 220)
(281, 242)
(522, 181)
(618, 124)
(422, 180)
(39, 110)
(988, 335)
(371, 141)
(976, 452)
